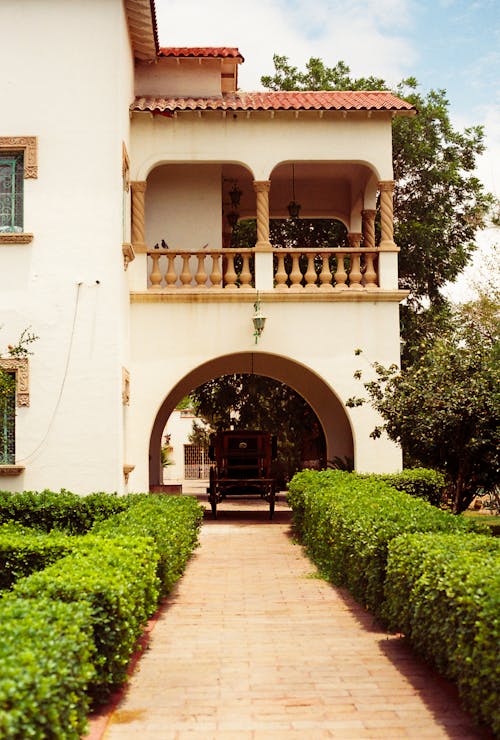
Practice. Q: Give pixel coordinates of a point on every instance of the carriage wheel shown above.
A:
(212, 492)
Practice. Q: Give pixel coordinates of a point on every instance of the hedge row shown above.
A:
(23, 551)
(110, 580)
(419, 482)
(347, 521)
(66, 511)
(443, 593)
(46, 655)
(117, 580)
(421, 570)
(172, 522)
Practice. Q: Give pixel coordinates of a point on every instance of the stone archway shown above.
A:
(318, 394)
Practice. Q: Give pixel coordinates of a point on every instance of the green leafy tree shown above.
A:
(445, 409)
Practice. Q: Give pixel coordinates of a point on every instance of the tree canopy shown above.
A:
(444, 410)
(249, 401)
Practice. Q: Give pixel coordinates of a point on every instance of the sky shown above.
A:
(445, 44)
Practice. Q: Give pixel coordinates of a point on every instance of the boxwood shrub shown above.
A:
(23, 551)
(420, 482)
(173, 523)
(117, 580)
(45, 666)
(47, 510)
(443, 592)
(346, 522)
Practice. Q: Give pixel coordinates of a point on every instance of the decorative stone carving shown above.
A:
(138, 224)
(386, 213)
(28, 144)
(368, 216)
(128, 254)
(11, 469)
(262, 188)
(125, 386)
(12, 238)
(19, 366)
(127, 469)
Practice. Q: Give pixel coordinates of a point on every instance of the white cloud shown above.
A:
(363, 34)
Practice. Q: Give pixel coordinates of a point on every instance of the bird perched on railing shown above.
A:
(164, 244)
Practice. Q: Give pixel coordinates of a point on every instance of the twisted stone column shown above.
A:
(138, 218)
(262, 188)
(368, 228)
(386, 213)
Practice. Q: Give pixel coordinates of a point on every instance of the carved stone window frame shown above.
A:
(29, 146)
(20, 367)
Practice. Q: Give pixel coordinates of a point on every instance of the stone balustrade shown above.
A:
(234, 269)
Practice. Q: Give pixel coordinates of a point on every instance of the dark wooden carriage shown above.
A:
(241, 465)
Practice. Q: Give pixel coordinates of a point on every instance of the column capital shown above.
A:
(262, 186)
(369, 212)
(354, 239)
(386, 185)
(139, 185)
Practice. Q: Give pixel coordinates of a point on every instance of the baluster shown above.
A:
(281, 276)
(170, 276)
(370, 273)
(295, 274)
(325, 276)
(201, 275)
(355, 273)
(245, 274)
(155, 276)
(310, 275)
(340, 275)
(186, 271)
(230, 276)
(216, 274)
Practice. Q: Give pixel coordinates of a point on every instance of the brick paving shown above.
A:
(253, 645)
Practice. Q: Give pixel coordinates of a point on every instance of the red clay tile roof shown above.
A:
(217, 52)
(331, 100)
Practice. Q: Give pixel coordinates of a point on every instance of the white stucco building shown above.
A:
(110, 144)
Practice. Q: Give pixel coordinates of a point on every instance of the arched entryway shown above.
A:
(319, 395)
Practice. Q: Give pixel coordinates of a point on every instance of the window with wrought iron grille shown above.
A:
(7, 418)
(11, 191)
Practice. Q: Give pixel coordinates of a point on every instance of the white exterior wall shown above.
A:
(167, 78)
(319, 336)
(72, 89)
(67, 78)
(183, 206)
(260, 142)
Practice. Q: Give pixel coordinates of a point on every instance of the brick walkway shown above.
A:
(253, 645)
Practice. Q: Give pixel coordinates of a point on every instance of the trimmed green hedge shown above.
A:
(419, 482)
(23, 551)
(45, 666)
(66, 511)
(346, 522)
(443, 593)
(117, 580)
(172, 521)
(108, 581)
